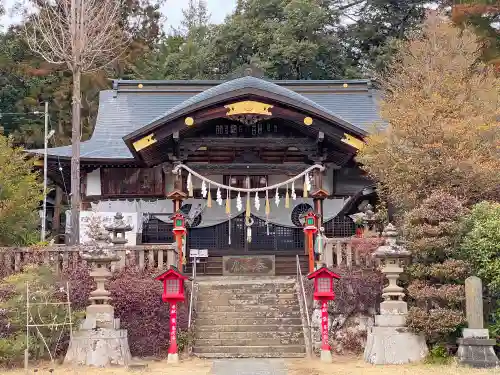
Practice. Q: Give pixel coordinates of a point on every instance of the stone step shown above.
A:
(260, 291)
(237, 305)
(204, 321)
(296, 333)
(223, 312)
(292, 306)
(251, 351)
(277, 327)
(251, 285)
(249, 355)
(230, 295)
(249, 342)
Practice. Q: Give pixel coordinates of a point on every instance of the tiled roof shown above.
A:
(127, 108)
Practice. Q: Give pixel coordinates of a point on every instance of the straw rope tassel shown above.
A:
(305, 187)
(228, 204)
(287, 198)
(209, 198)
(268, 206)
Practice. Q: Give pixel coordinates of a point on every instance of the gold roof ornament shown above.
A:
(308, 121)
(189, 121)
(358, 144)
(144, 142)
(248, 107)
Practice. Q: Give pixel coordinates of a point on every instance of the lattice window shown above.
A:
(340, 226)
(324, 285)
(172, 286)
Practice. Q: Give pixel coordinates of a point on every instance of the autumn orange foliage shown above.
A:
(441, 106)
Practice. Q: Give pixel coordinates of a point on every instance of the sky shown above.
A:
(218, 10)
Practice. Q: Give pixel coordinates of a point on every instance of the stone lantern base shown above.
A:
(389, 342)
(99, 347)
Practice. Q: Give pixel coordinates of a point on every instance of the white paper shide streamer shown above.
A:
(204, 190)
(293, 194)
(308, 182)
(239, 203)
(257, 201)
(277, 198)
(219, 197)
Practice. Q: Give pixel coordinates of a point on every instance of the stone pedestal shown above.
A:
(390, 342)
(100, 342)
(475, 348)
(99, 347)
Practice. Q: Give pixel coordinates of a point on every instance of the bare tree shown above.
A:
(85, 35)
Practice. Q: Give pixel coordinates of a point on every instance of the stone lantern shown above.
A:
(100, 341)
(390, 341)
(117, 230)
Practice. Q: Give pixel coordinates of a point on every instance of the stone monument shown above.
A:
(100, 341)
(389, 341)
(476, 348)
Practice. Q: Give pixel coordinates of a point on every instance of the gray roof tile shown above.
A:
(125, 111)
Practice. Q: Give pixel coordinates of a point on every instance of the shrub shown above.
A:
(137, 301)
(44, 287)
(481, 244)
(436, 292)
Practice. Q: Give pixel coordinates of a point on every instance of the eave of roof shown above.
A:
(239, 88)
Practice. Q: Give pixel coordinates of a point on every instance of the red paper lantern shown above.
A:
(173, 292)
(323, 292)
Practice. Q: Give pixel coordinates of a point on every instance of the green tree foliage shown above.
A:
(373, 26)
(437, 273)
(20, 195)
(481, 244)
(441, 106)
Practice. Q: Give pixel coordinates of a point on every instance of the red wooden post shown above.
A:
(324, 326)
(172, 349)
(310, 228)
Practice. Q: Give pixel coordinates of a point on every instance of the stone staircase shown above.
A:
(245, 317)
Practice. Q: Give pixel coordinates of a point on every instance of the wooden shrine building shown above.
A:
(246, 132)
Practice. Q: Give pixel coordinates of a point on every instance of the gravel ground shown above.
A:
(341, 366)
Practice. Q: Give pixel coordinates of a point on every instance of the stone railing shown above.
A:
(61, 257)
(351, 252)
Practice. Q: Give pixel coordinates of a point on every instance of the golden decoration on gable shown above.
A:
(358, 144)
(189, 121)
(248, 107)
(308, 121)
(144, 142)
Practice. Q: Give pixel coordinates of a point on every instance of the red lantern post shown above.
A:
(179, 231)
(173, 292)
(310, 229)
(323, 292)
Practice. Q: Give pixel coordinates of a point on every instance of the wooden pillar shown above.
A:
(56, 219)
(318, 195)
(177, 195)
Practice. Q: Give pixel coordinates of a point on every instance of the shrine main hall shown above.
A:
(242, 159)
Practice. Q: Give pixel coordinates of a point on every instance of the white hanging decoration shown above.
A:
(293, 193)
(239, 203)
(219, 197)
(189, 182)
(308, 182)
(277, 198)
(257, 201)
(204, 190)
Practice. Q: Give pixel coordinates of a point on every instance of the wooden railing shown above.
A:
(343, 252)
(62, 257)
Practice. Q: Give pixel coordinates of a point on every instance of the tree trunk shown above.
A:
(75, 159)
